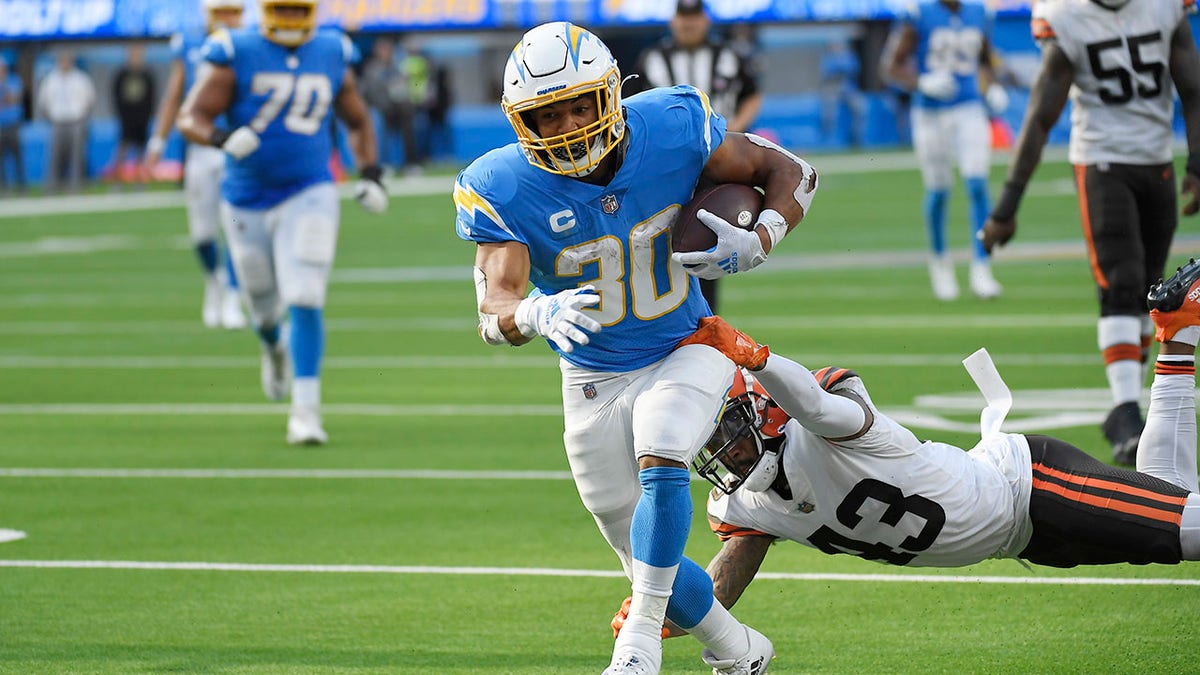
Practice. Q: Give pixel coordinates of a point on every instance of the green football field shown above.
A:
(169, 527)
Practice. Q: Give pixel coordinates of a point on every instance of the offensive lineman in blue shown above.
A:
(277, 87)
(938, 51)
(582, 206)
(203, 166)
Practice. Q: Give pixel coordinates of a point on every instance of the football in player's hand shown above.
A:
(738, 204)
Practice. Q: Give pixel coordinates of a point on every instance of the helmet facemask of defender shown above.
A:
(287, 22)
(739, 454)
(558, 62)
(223, 14)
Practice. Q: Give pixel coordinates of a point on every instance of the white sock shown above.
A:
(1167, 449)
(1189, 528)
(306, 392)
(1187, 335)
(1119, 339)
(724, 635)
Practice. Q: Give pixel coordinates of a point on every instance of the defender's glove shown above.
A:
(997, 99)
(733, 343)
(736, 250)
(558, 317)
(237, 144)
(370, 192)
(938, 84)
(618, 620)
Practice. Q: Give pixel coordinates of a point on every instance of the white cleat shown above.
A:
(276, 371)
(983, 284)
(210, 313)
(232, 316)
(304, 427)
(633, 661)
(755, 662)
(941, 276)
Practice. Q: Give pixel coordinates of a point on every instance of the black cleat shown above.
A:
(1123, 428)
(1175, 303)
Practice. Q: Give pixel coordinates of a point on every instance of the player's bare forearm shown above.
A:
(1185, 73)
(734, 567)
(361, 132)
(209, 97)
(896, 65)
(501, 279)
(737, 160)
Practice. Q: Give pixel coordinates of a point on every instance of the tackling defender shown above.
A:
(277, 87)
(1116, 60)
(202, 170)
(808, 457)
(581, 206)
(939, 50)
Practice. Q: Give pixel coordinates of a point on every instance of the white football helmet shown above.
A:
(287, 30)
(558, 62)
(217, 13)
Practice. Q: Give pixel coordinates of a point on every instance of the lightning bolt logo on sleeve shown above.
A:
(468, 202)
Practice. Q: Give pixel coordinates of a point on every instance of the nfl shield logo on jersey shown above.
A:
(609, 204)
(589, 391)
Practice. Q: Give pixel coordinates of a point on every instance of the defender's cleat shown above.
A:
(632, 661)
(210, 313)
(304, 427)
(983, 284)
(231, 310)
(276, 371)
(1175, 303)
(756, 661)
(941, 276)
(1123, 428)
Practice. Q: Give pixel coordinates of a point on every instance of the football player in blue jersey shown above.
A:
(277, 87)
(938, 51)
(581, 206)
(202, 170)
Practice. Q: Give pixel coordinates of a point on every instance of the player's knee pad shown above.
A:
(674, 416)
(315, 239)
(305, 286)
(254, 270)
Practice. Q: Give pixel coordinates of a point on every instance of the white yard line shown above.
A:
(553, 572)
(305, 474)
(356, 409)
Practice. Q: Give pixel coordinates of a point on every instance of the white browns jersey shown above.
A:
(1122, 97)
(890, 497)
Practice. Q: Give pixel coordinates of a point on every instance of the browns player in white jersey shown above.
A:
(1117, 61)
(808, 457)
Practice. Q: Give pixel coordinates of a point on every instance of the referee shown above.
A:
(691, 56)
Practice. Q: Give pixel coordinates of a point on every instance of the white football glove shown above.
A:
(997, 98)
(238, 144)
(736, 250)
(558, 317)
(369, 191)
(938, 84)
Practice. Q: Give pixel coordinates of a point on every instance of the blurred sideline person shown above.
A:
(807, 457)
(691, 55)
(938, 50)
(580, 206)
(66, 97)
(12, 91)
(133, 97)
(277, 87)
(202, 170)
(1116, 60)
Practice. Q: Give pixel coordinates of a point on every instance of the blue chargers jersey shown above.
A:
(286, 96)
(615, 237)
(951, 41)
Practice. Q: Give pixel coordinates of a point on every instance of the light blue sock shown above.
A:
(691, 595)
(935, 219)
(231, 274)
(662, 517)
(307, 340)
(981, 206)
(207, 252)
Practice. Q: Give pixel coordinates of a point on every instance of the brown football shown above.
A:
(738, 204)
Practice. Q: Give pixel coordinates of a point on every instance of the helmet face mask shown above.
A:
(556, 63)
(287, 22)
(736, 455)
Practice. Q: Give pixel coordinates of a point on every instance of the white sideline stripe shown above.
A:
(485, 362)
(552, 572)
(11, 535)
(427, 474)
(365, 410)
